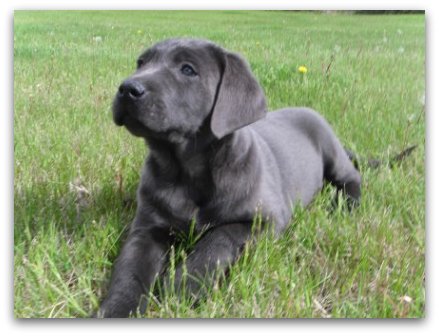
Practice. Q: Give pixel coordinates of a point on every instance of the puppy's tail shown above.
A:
(376, 163)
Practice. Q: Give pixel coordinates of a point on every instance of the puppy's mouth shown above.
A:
(137, 127)
(119, 118)
(128, 116)
(134, 126)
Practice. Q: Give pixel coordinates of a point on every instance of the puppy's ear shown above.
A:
(240, 100)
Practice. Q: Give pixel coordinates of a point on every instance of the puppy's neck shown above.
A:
(187, 157)
(200, 167)
(192, 155)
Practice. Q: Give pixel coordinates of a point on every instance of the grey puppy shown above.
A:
(216, 156)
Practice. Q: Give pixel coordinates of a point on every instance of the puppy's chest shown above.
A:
(194, 167)
(196, 179)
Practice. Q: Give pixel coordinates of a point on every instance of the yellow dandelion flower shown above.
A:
(302, 69)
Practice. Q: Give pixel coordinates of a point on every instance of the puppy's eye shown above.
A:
(140, 63)
(187, 70)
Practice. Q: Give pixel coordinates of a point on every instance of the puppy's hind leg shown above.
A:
(340, 171)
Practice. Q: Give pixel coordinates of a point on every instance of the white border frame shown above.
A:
(11, 326)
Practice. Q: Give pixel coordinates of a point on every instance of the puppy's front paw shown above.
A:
(114, 309)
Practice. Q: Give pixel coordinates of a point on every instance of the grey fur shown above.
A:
(216, 156)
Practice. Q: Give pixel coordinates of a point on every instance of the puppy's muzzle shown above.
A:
(130, 92)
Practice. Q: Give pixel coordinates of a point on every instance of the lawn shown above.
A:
(76, 173)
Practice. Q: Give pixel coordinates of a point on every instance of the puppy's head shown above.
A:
(180, 84)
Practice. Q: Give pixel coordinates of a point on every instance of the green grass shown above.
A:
(365, 75)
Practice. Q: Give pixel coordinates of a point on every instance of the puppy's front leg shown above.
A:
(212, 254)
(141, 259)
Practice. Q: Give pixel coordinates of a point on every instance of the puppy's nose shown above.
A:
(131, 89)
